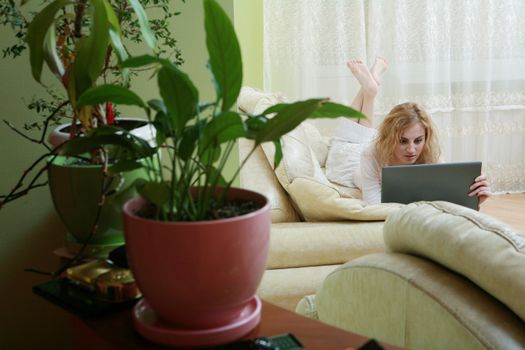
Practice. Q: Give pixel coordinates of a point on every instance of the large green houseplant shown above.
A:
(197, 247)
(81, 42)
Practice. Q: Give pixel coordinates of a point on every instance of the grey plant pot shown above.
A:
(76, 191)
(142, 129)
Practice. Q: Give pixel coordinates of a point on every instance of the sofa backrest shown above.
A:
(299, 188)
(257, 175)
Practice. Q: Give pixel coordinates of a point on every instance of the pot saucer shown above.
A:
(149, 326)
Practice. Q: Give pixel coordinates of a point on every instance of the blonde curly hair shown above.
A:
(396, 121)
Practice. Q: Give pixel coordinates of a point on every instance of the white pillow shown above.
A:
(342, 161)
(316, 142)
(351, 131)
(298, 158)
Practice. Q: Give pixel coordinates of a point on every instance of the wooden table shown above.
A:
(115, 331)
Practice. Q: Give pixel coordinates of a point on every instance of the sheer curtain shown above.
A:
(464, 61)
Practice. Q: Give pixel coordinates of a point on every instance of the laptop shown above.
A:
(430, 182)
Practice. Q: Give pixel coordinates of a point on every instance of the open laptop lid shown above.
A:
(430, 182)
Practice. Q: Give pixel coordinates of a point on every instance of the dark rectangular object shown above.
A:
(430, 182)
(77, 300)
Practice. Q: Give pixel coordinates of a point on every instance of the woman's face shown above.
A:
(410, 144)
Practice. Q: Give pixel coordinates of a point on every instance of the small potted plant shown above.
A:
(196, 246)
(81, 43)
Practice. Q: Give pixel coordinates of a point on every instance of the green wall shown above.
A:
(249, 28)
(29, 228)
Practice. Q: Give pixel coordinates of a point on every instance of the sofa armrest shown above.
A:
(485, 250)
(415, 303)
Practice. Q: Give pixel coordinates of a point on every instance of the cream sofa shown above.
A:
(452, 278)
(312, 233)
(440, 276)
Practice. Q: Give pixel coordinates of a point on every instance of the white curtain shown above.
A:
(463, 60)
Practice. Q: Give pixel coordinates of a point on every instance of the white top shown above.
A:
(367, 176)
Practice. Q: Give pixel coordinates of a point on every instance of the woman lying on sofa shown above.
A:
(406, 136)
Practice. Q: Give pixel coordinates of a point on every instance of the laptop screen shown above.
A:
(430, 182)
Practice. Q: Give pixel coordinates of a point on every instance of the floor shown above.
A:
(509, 208)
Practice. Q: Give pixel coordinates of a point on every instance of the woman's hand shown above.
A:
(480, 188)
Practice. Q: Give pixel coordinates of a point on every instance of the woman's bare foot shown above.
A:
(378, 68)
(363, 75)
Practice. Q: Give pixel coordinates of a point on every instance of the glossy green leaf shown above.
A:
(210, 155)
(225, 53)
(121, 52)
(206, 105)
(275, 108)
(164, 126)
(188, 143)
(141, 61)
(278, 156)
(86, 144)
(118, 46)
(179, 95)
(148, 35)
(254, 124)
(135, 146)
(51, 55)
(155, 192)
(215, 176)
(93, 49)
(224, 127)
(327, 110)
(115, 33)
(36, 34)
(287, 120)
(124, 166)
(335, 110)
(157, 105)
(111, 93)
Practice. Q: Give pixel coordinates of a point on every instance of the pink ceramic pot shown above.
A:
(198, 274)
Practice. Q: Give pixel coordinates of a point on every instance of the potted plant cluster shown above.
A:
(197, 247)
(81, 43)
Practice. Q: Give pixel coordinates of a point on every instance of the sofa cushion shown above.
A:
(318, 201)
(296, 244)
(298, 159)
(475, 245)
(313, 195)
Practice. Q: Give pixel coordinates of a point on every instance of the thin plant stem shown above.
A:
(206, 190)
(225, 157)
(173, 180)
(241, 166)
(13, 194)
(44, 130)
